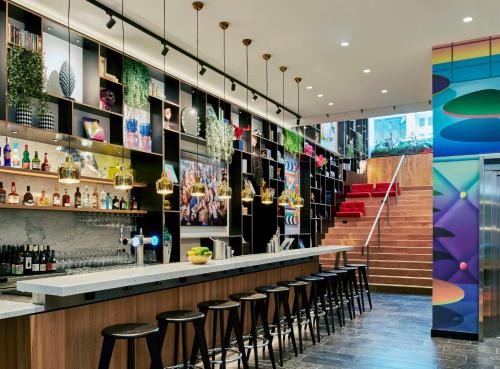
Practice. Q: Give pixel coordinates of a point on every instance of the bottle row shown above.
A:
(26, 260)
(11, 158)
(94, 200)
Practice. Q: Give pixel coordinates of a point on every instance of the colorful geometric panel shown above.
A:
(292, 185)
(478, 104)
(445, 293)
(471, 50)
(441, 55)
(439, 84)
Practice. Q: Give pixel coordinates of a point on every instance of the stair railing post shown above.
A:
(388, 212)
(378, 234)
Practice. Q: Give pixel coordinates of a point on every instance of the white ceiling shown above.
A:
(393, 38)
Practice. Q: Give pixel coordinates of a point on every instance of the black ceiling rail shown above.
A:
(150, 33)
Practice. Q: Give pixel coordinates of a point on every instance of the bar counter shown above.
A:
(60, 328)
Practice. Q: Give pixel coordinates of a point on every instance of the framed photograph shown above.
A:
(170, 172)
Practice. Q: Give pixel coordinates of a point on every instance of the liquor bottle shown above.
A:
(35, 264)
(19, 263)
(95, 199)
(102, 199)
(13, 196)
(43, 200)
(42, 260)
(6, 153)
(115, 205)
(133, 204)
(78, 198)
(56, 198)
(28, 260)
(15, 158)
(109, 203)
(28, 198)
(86, 198)
(26, 162)
(66, 199)
(36, 164)
(45, 164)
(123, 204)
(3, 194)
(51, 265)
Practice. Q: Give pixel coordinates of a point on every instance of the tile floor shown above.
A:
(394, 335)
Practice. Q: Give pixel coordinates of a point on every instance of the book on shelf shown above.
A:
(22, 38)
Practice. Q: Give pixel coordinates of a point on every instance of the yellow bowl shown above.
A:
(199, 259)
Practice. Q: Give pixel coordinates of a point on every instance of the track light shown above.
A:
(298, 121)
(165, 49)
(254, 97)
(233, 86)
(202, 70)
(278, 111)
(111, 22)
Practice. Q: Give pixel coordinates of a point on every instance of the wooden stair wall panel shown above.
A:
(417, 171)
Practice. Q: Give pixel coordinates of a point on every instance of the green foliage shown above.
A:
(136, 80)
(26, 78)
(293, 142)
(411, 145)
(349, 151)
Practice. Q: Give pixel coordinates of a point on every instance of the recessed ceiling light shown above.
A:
(49, 28)
(344, 44)
(15, 132)
(384, 91)
(77, 41)
(309, 87)
(330, 103)
(366, 71)
(467, 19)
(320, 95)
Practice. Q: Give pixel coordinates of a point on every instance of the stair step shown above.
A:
(416, 188)
(389, 264)
(334, 238)
(393, 224)
(373, 242)
(401, 280)
(391, 256)
(392, 230)
(374, 250)
(426, 273)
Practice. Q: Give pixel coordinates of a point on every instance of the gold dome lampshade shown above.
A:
(224, 192)
(124, 180)
(283, 199)
(68, 172)
(267, 197)
(197, 189)
(247, 194)
(299, 203)
(164, 186)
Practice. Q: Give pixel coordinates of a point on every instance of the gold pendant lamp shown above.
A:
(247, 194)
(266, 196)
(197, 189)
(164, 186)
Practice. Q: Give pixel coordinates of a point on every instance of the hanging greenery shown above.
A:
(219, 136)
(293, 142)
(136, 80)
(26, 79)
(349, 151)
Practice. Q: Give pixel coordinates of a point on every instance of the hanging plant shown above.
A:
(349, 151)
(26, 79)
(219, 136)
(293, 142)
(136, 80)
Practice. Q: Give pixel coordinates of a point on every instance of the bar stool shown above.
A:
(333, 306)
(130, 332)
(317, 297)
(352, 283)
(343, 292)
(258, 308)
(180, 319)
(218, 308)
(300, 308)
(280, 295)
(364, 287)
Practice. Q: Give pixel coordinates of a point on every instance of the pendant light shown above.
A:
(69, 172)
(124, 180)
(283, 199)
(164, 185)
(299, 203)
(266, 197)
(247, 194)
(197, 189)
(224, 192)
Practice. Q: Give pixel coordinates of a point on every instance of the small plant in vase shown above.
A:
(320, 161)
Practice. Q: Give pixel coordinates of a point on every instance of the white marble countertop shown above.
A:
(92, 282)
(10, 309)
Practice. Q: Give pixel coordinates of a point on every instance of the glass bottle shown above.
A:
(26, 162)
(3, 194)
(102, 199)
(43, 200)
(95, 199)
(45, 164)
(78, 198)
(35, 264)
(28, 198)
(28, 260)
(13, 196)
(109, 203)
(123, 204)
(115, 205)
(86, 197)
(56, 198)
(133, 204)
(66, 199)
(36, 164)
(6, 153)
(15, 158)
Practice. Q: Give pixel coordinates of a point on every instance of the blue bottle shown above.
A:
(6, 153)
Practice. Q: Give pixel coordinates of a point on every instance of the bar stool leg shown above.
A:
(214, 337)
(106, 352)
(296, 309)
(154, 352)
(359, 276)
(176, 344)
(235, 322)
(345, 287)
(224, 339)
(305, 305)
(278, 325)
(314, 298)
(365, 278)
(253, 332)
(130, 354)
(330, 303)
(184, 346)
(262, 307)
(356, 290)
(323, 306)
(201, 343)
(336, 301)
(288, 316)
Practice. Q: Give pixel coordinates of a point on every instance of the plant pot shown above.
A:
(47, 121)
(24, 114)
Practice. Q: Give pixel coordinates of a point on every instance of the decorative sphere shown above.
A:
(463, 265)
(463, 195)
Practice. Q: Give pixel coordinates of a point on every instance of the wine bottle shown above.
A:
(66, 199)
(35, 264)
(78, 198)
(6, 153)
(45, 164)
(28, 259)
(26, 162)
(13, 196)
(28, 198)
(95, 199)
(36, 164)
(56, 198)
(115, 205)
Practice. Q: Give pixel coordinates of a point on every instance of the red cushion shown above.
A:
(352, 207)
(383, 187)
(349, 214)
(382, 193)
(358, 194)
(362, 187)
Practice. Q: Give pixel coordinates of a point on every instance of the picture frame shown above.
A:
(170, 172)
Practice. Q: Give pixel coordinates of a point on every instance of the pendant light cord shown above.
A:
(283, 100)
(246, 52)
(224, 78)
(123, 59)
(69, 64)
(164, 34)
(197, 93)
(267, 86)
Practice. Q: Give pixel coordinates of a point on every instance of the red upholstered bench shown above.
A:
(360, 190)
(352, 209)
(381, 188)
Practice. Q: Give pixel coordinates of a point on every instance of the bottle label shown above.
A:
(3, 197)
(35, 165)
(35, 267)
(43, 267)
(13, 199)
(26, 165)
(16, 163)
(27, 262)
(57, 201)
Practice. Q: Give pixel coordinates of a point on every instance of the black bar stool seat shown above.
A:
(180, 316)
(218, 305)
(271, 289)
(364, 286)
(130, 332)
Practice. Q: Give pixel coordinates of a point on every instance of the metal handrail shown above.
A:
(376, 222)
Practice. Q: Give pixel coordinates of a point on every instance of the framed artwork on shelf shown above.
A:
(169, 170)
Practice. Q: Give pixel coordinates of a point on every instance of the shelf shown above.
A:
(89, 108)
(53, 175)
(111, 81)
(170, 211)
(72, 209)
(171, 103)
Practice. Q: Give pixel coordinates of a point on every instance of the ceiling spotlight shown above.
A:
(202, 70)
(278, 111)
(366, 71)
(49, 28)
(467, 19)
(233, 86)
(384, 91)
(165, 49)
(298, 121)
(309, 87)
(111, 22)
(254, 97)
(77, 41)
(330, 103)
(320, 95)
(344, 44)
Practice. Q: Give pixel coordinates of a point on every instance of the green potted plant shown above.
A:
(26, 83)
(136, 80)
(293, 142)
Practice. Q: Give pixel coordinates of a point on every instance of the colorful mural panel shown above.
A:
(292, 185)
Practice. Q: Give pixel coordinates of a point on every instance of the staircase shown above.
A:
(403, 263)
